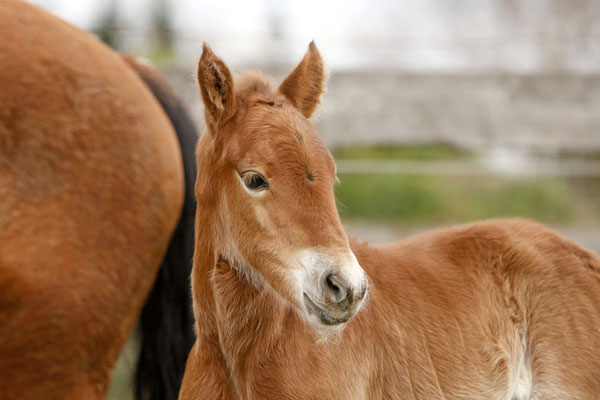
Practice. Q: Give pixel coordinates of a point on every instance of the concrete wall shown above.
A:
(541, 113)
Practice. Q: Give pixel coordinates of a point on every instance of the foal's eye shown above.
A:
(254, 181)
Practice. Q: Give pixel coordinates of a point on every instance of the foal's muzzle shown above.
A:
(339, 299)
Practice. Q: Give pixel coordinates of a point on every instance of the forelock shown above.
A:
(254, 82)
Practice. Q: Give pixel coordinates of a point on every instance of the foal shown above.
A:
(504, 309)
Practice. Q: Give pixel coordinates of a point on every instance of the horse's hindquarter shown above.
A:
(90, 191)
(490, 310)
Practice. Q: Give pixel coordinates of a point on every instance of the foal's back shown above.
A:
(494, 310)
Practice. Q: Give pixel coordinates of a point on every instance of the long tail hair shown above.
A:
(166, 322)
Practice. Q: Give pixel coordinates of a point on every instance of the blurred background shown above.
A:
(437, 111)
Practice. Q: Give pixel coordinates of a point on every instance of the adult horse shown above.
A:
(503, 309)
(92, 187)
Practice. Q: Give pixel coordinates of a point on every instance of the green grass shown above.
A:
(593, 155)
(436, 199)
(432, 199)
(432, 152)
(161, 55)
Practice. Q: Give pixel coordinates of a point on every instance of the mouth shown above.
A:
(323, 315)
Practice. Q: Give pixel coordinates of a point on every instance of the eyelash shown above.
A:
(255, 181)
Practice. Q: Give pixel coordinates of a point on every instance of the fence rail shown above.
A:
(563, 168)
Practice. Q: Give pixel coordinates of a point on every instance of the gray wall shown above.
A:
(538, 113)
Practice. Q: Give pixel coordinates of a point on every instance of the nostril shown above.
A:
(331, 285)
(335, 288)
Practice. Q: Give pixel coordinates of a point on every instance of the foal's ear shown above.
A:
(216, 86)
(304, 86)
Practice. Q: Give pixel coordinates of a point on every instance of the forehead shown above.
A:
(279, 138)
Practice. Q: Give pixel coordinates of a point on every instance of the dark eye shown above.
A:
(254, 181)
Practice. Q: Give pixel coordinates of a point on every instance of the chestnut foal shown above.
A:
(503, 309)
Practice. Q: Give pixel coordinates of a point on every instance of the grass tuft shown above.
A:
(432, 199)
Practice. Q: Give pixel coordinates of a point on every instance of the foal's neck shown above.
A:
(251, 319)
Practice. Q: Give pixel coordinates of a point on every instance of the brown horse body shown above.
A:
(91, 188)
(503, 309)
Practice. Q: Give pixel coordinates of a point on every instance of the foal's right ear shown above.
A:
(216, 86)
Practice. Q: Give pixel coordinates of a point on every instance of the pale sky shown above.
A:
(421, 35)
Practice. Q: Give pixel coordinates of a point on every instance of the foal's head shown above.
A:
(269, 178)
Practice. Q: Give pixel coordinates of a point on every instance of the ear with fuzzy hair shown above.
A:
(304, 86)
(216, 86)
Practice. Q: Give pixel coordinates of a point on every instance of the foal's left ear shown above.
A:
(304, 86)
(216, 86)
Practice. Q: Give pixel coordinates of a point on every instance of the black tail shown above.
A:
(166, 322)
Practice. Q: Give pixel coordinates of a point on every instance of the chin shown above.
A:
(324, 332)
(324, 327)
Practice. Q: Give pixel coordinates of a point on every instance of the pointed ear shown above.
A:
(216, 86)
(304, 86)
